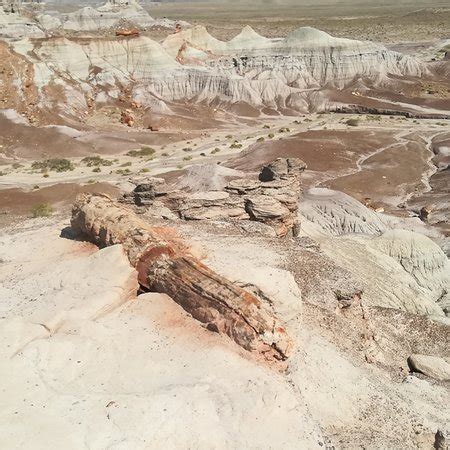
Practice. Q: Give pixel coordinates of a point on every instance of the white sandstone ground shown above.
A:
(86, 363)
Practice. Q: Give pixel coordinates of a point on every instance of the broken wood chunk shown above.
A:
(165, 265)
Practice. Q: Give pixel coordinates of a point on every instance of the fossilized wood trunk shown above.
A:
(165, 265)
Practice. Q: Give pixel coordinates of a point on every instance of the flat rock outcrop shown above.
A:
(272, 199)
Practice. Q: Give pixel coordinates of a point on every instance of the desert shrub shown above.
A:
(54, 164)
(352, 122)
(214, 151)
(96, 169)
(165, 154)
(46, 175)
(36, 186)
(42, 210)
(260, 139)
(187, 149)
(145, 170)
(126, 164)
(2, 173)
(266, 126)
(187, 158)
(270, 135)
(236, 145)
(144, 151)
(17, 166)
(96, 161)
(123, 171)
(228, 136)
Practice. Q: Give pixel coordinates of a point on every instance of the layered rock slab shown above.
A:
(271, 200)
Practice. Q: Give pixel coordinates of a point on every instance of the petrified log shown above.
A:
(165, 265)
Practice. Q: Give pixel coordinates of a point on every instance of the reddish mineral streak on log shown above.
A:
(165, 265)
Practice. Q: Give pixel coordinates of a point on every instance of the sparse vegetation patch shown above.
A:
(96, 161)
(42, 210)
(144, 151)
(352, 122)
(54, 164)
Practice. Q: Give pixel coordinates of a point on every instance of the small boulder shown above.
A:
(274, 171)
(263, 208)
(281, 168)
(432, 366)
(442, 439)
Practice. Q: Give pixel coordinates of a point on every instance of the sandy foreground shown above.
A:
(89, 364)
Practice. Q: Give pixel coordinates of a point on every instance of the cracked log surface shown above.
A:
(165, 265)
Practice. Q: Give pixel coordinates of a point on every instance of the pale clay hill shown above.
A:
(220, 307)
(292, 74)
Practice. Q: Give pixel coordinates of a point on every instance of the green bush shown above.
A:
(144, 151)
(123, 171)
(54, 164)
(42, 210)
(352, 122)
(96, 161)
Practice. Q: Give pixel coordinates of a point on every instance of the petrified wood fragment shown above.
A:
(165, 265)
